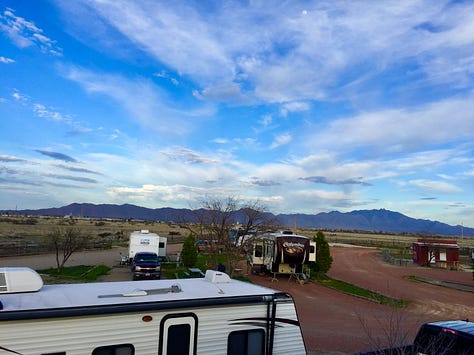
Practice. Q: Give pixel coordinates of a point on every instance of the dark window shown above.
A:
(433, 340)
(122, 349)
(312, 249)
(161, 245)
(178, 334)
(258, 251)
(246, 342)
(178, 339)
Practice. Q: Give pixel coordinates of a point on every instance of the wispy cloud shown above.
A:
(24, 33)
(280, 140)
(77, 170)
(398, 130)
(42, 111)
(325, 180)
(187, 155)
(6, 60)
(56, 155)
(143, 101)
(10, 159)
(434, 185)
(72, 178)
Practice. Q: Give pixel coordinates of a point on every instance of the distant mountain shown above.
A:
(364, 220)
(375, 221)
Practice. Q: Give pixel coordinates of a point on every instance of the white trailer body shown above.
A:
(282, 252)
(210, 315)
(145, 241)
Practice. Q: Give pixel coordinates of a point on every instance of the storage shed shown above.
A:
(436, 252)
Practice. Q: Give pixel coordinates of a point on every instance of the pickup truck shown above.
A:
(146, 265)
(436, 338)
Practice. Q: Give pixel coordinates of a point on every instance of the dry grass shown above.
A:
(21, 235)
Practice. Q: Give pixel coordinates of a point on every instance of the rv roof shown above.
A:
(128, 292)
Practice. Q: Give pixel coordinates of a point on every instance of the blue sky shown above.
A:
(305, 107)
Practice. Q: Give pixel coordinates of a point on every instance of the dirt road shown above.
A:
(333, 322)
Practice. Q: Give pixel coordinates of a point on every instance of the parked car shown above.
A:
(437, 338)
(145, 265)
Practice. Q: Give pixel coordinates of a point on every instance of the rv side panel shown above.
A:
(81, 335)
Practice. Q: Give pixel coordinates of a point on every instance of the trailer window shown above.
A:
(258, 251)
(246, 342)
(122, 349)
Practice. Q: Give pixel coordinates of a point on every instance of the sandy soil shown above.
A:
(333, 322)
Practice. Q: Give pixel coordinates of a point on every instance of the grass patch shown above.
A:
(204, 261)
(80, 273)
(360, 292)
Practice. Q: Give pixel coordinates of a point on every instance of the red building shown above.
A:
(436, 252)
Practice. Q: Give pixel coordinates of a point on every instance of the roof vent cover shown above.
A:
(19, 279)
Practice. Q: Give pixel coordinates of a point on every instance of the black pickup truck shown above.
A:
(437, 338)
(146, 265)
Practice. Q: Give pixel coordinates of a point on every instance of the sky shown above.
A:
(299, 106)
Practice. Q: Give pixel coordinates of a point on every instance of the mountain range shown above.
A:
(380, 220)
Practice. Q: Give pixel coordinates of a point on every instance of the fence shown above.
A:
(31, 248)
(387, 257)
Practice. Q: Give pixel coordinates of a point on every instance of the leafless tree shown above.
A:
(217, 217)
(394, 331)
(65, 242)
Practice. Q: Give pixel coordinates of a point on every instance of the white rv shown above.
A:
(281, 252)
(210, 315)
(143, 240)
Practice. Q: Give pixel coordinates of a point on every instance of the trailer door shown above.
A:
(178, 334)
(312, 251)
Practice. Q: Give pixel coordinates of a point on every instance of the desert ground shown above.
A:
(333, 322)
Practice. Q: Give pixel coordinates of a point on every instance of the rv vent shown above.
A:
(19, 279)
(3, 282)
(216, 277)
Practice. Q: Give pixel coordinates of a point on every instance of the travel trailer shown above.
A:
(281, 252)
(209, 315)
(143, 240)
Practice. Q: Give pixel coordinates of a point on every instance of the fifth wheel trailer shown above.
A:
(210, 315)
(281, 252)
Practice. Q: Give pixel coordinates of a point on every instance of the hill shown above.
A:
(363, 220)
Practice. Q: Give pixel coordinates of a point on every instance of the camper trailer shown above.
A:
(281, 252)
(143, 240)
(209, 315)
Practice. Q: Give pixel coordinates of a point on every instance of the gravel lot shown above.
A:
(333, 322)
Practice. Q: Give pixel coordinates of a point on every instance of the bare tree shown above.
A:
(65, 242)
(217, 217)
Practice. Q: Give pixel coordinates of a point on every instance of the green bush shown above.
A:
(189, 251)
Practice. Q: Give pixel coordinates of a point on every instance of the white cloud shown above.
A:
(401, 130)
(280, 140)
(143, 101)
(434, 185)
(6, 60)
(44, 112)
(24, 33)
(284, 54)
(294, 107)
